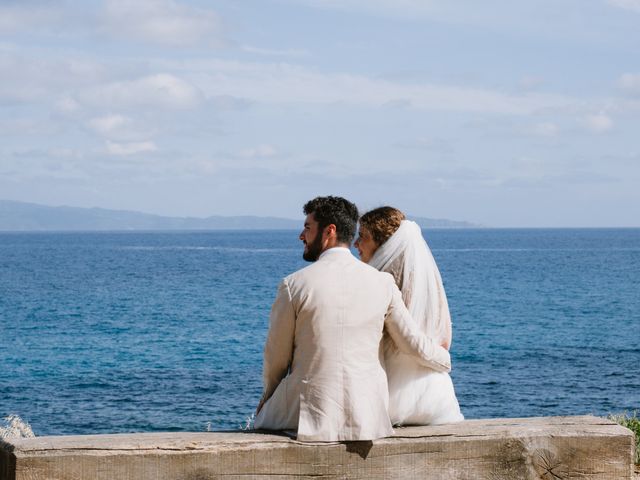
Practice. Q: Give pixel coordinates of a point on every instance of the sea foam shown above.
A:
(14, 427)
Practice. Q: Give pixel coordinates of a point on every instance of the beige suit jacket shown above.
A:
(323, 373)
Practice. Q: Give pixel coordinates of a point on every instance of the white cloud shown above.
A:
(540, 17)
(67, 105)
(545, 129)
(164, 22)
(15, 126)
(22, 78)
(35, 76)
(435, 145)
(50, 163)
(227, 102)
(16, 17)
(261, 151)
(130, 148)
(630, 83)
(160, 90)
(290, 52)
(598, 123)
(530, 82)
(109, 124)
(633, 5)
(285, 83)
(408, 8)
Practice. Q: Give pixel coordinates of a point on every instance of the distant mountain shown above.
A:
(21, 216)
(442, 223)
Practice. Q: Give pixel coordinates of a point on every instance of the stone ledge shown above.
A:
(550, 448)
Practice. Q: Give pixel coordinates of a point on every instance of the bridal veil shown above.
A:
(417, 395)
(408, 258)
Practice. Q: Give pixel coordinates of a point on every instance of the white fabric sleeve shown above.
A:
(410, 340)
(278, 349)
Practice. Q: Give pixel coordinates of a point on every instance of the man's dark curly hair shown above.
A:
(337, 211)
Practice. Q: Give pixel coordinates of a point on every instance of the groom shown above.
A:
(323, 374)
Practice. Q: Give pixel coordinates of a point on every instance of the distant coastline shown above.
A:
(31, 217)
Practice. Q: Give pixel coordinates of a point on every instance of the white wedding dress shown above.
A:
(417, 395)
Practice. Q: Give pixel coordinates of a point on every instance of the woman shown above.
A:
(390, 243)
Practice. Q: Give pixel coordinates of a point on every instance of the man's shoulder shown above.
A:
(352, 266)
(304, 273)
(298, 274)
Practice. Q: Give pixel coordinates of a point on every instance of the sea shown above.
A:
(163, 331)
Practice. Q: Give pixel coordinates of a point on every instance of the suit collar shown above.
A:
(334, 251)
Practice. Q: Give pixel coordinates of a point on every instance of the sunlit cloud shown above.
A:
(287, 83)
(109, 124)
(598, 123)
(37, 77)
(545, 129)
(630, 83)
(261, 151)
(633, 5)
(21, 16)
(130, 148)
(530, 82)
(402, 8)
(436, 145)
(67, 105)
(269, 52)
(160, 90)
(164, 22)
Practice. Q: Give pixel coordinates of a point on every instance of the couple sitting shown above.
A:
(348, 353)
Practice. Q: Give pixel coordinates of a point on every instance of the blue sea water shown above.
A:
(124, 332)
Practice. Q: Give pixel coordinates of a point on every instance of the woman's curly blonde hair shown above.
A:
(382, 222)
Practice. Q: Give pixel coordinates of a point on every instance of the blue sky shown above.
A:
(501, 113)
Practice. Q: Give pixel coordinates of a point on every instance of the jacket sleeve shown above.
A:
(410, 340)
(278, 350)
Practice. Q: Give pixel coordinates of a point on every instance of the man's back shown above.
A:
(332, 313)
(340, 306)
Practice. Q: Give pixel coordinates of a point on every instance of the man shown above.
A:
(323, 374)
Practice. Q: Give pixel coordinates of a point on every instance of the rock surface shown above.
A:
(552, 448)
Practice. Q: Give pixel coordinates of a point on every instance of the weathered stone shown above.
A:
(554, 448)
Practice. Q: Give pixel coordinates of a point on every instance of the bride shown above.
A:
(390, 243)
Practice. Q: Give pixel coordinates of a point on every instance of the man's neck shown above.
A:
(336, 247)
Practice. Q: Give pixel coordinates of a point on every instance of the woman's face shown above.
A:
(365, 244)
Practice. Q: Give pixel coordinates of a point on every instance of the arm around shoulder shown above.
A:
(410, 340)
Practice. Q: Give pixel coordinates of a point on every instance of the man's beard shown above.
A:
(314, 249)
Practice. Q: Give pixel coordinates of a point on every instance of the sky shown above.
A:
(500, 113)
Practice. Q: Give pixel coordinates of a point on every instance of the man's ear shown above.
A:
(330, 231)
